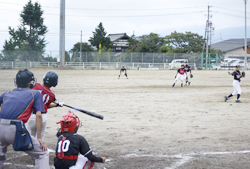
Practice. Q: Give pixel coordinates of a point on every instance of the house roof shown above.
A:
(230, 44)
(114, 37)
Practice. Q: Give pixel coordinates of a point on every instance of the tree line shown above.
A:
(27, 41)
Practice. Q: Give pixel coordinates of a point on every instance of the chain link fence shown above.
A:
(104, 60)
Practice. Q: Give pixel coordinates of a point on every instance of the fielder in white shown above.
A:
(180, 74)
(188, 73)
(236, 84)
(123, 71)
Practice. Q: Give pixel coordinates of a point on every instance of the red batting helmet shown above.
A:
(70, 123)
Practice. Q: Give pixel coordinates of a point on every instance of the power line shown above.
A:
(112, 16)
(240, 11)
(109, 9)
(231, 15)
(53, 34)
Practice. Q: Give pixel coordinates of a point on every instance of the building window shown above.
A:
(118, 48)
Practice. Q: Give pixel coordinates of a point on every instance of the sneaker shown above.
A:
(189, 83)
(185, 84)
(173, 85)
(181, 85)
(226, 98)
(238, 101)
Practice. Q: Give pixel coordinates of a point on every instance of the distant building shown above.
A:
(233, 48)
(120, 42)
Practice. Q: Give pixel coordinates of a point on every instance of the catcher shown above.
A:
(236, 83)
(123, 71)
(70, 144)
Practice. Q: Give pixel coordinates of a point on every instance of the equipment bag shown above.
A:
(23, 141)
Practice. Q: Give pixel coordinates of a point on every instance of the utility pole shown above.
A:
(62, 33)
(245, 34)
(208, 31)
(81, 48)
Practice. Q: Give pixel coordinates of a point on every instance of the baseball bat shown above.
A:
(93, 114)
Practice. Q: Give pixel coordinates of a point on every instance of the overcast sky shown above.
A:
(126, 16)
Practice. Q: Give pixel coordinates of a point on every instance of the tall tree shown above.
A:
(29, 36)
(31, 17)
(184, 42)
(132, 43)
(149, 43)
(99, 37)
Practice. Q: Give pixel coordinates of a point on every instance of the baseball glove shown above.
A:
(58, 133)
(243, 74)
(191, 76)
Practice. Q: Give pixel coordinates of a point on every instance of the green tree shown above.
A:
(99, 37)
(67, 56)
(184, 43)
(29, 36)
(149, 43)
(49, 59)
(166, 49)
(76, 51)
(31, 17)
(85, 47)
(132, 43)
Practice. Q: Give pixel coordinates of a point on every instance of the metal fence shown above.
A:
(82, 65)
(93, 60)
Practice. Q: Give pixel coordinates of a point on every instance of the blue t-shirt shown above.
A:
(18, 104)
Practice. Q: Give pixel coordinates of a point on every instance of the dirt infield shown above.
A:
(147, 123)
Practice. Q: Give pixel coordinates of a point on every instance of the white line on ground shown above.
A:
(184, 158)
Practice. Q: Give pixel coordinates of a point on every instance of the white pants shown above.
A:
(186, 75)
(237, 89)
(178, 77)
(31, 125)
(82, 163)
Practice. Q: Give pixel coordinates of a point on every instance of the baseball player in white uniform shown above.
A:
(188, 73)
(123, 71)
(180, 74)
(236, 84)
(50, 79)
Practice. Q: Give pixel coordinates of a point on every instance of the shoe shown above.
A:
(226, 97)
(189, 83)
(238, 101)
(173, 85)
(185, 84)
(181, 85)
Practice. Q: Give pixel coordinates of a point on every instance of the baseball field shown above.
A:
(147, 123)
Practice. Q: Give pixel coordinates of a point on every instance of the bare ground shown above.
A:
(147, 123)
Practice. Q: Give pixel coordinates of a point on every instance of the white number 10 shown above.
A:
(65, 146)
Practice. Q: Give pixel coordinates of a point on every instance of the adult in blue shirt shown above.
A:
(16, 107)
